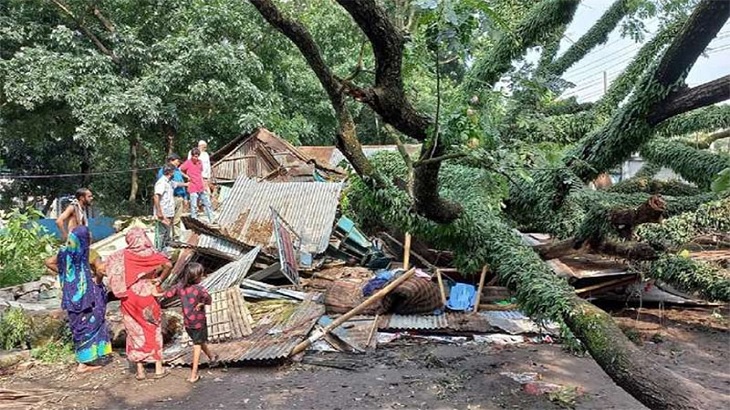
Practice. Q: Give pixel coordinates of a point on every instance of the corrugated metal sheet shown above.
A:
(229, 248)
(231, 274)
(451, 321)
(417, 322)
(309, 207)
(511, 321)
(271, 341)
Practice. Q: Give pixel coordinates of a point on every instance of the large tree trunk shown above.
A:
(654, 385)
(133, 145)
(170, 133)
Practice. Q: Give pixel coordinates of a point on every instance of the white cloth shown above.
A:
(205, 159)
(164, 188)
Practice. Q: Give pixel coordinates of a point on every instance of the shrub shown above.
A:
(24, 244)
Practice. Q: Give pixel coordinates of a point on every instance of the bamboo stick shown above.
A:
(316, 335)
(407, 251)
(441, 286)
(372, 331)
(481, 287)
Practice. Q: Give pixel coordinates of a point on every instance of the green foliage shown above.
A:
(721, 183)
(24, 244)
(14, 328)
(712, 217)
(707, 119)
(59, 350)
(653, 186)
(697, 166)
(597, 34)
(708, 280)
(480, 236)
(648, 170)
(534, 29)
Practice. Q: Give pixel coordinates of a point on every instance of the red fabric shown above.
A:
(136, 266)
(195, 172)
(142, 318)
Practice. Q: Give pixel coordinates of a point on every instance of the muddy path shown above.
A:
(409, 374)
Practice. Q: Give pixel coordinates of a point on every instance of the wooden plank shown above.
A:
(481, 287)
(441, 286)
(407, 251)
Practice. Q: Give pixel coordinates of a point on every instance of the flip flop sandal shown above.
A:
(215, 362)
(195, 380)
(140, 378)
(161, 375)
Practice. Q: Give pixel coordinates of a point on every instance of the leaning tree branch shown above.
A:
(346, 139)
(689, 99)
(705, 141)
(598, 34)
(91, 36)
(630, 128)
(536, 28)
(388, 99)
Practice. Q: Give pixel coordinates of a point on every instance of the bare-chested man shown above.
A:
(77, 213)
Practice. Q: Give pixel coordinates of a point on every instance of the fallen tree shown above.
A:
(476, 229)
(706, 279)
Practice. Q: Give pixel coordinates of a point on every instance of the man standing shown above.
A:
(205, 160)
(76, 213)
(193, 169)
(180, 194)
(165, 205)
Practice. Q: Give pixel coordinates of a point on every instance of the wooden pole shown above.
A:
(481, 287)
(441, 286)
(316, 335)
(407, 251)
(372, 331)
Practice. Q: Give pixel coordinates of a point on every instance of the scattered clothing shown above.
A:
(379, 281)
(83, 299)
(462, 297)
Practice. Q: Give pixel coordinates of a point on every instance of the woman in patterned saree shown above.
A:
(84, 299)
(134, 276)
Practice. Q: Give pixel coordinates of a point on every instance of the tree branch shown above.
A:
(629, 129)
(103, 20)
(536, 28)
(692, 98)
(442, 158)
(346, 139)
(598, 34)
(705, 141)
(387, 97)
(91, 36)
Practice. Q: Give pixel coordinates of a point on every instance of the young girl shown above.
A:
(194, 298)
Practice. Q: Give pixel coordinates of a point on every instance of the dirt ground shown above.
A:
(408, 373)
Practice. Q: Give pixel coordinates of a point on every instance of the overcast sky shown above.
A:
(613, 56)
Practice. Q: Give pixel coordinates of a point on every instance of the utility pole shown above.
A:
(605, 82)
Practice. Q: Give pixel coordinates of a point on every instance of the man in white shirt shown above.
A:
(164, 201)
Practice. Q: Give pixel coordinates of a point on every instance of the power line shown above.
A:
(75, 175)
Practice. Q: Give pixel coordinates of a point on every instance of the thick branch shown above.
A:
(630, 129)
(387, 97)
(346, 140)
(104, 21)
(598, 34)
(692, 98)
(705, 141)
(541, 20)
(697, 166)
(91, 36)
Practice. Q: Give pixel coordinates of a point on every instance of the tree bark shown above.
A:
(626, 220)
(692, 98)
(170, 133)
(133, 146)
(654, 385)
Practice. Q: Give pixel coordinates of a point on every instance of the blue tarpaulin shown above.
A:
(101, 227)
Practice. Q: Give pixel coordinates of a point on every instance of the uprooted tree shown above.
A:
(490, 163)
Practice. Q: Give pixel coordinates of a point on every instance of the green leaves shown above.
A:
(23, 247)
(722, 182)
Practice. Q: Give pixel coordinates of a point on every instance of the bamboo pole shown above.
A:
(372, 331)
(407, 251)
(441, 286)
(316, 335)
(481, 287)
